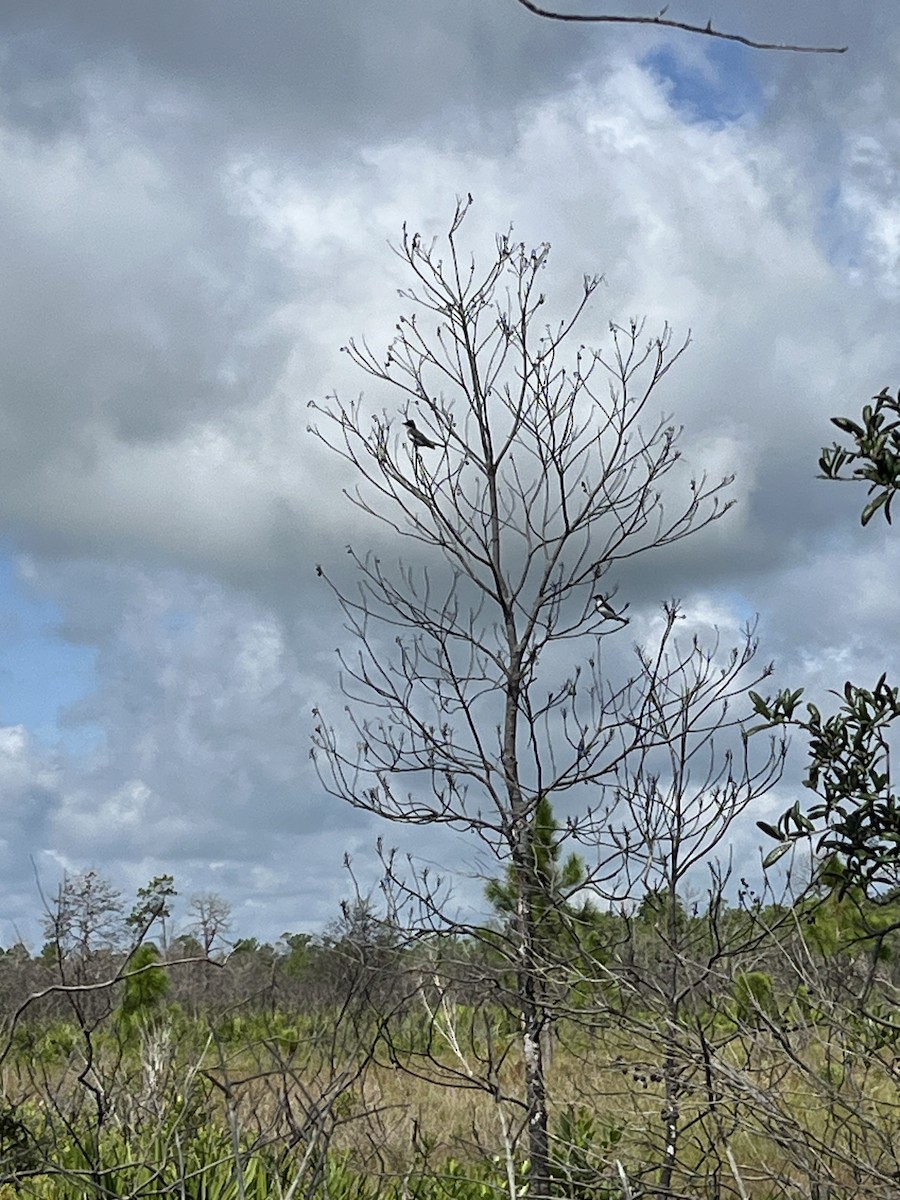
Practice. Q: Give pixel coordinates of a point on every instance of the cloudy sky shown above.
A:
(196, 201)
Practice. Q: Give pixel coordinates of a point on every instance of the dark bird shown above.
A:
(606, 611)
(418, 438)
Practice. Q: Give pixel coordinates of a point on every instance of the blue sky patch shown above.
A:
(719, 90)
(40, 673)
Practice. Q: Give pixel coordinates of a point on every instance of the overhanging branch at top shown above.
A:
(661, 19)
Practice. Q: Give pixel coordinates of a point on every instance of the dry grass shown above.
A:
(791, 1115)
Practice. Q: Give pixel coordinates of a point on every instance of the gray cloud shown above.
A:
(288, 76)
(194, 212)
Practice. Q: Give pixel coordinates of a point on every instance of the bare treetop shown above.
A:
(534, 465)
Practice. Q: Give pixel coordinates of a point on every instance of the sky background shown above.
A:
(196, 200)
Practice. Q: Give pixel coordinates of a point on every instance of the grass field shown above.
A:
(277, 1108)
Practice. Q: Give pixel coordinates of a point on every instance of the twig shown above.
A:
(745, 1195)
(626, 1186)
(685, 26)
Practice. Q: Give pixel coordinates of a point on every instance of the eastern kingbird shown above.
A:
(606, 611)
(418, 438)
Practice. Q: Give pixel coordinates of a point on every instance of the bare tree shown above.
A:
(210, 920)
(85, 929)
(86, 918)
(681, 799)
(536, 467)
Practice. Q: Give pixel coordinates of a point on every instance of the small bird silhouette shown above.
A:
(606, 611)
(418, 438)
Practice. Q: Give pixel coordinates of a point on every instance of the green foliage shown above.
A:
(877, 1028)
(48, 1043)
(858, 816)
(655, 911)
(876, 452)
(152, 905)
(206, 1167)
(299, 959)
(21, 1139)
(582, 1150)
(754, 998)
(483, 1179)
(560, 924)
(146, 987)
(839, 918)
(247, 949)
(284, 1031)
(118, 1164)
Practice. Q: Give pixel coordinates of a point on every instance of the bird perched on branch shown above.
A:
(606, 611)
(418, 438)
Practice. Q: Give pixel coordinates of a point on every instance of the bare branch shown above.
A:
(685, 26)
